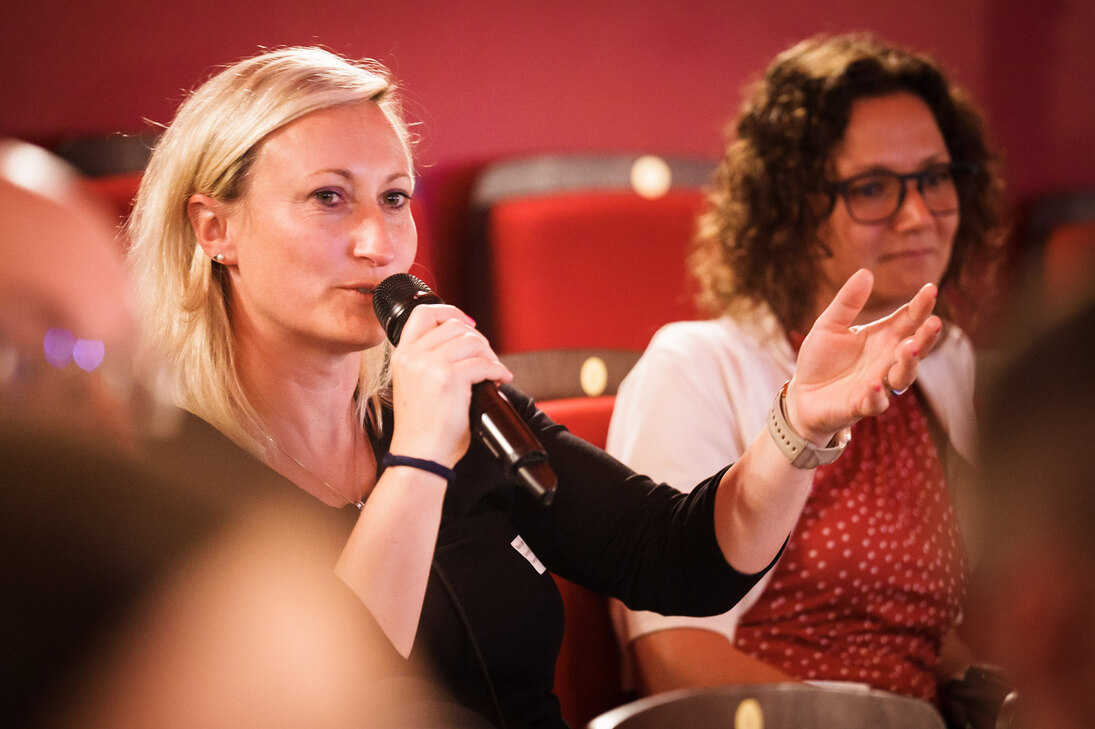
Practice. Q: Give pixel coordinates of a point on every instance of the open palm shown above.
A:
(845, 372)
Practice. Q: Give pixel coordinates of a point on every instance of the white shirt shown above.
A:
(700, 394)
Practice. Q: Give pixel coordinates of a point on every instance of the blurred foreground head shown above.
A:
(131, 596)
(1037, 581)
(67, 333)
(130, 601)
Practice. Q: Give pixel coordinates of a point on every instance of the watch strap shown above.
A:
(799, 451)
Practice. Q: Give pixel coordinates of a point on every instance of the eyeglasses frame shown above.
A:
(840, 188)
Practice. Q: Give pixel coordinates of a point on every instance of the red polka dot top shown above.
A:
(874, 574)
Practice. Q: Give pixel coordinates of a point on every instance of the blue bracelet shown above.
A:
(390, 459)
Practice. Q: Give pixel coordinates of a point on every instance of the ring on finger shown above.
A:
(893, 390)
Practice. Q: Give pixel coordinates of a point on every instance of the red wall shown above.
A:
(492, 78)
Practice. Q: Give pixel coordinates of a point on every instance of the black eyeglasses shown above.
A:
(875, 197)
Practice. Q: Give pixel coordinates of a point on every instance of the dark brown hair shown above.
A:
(757, 240)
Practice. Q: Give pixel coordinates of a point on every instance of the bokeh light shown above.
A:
(58, 344)
(651, 176)
(88, 353)
(62, 347)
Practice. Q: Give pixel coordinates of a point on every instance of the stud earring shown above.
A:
(219, 258)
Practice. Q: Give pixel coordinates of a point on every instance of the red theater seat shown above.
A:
(586, 417)
(117, 191)
(587, 262)
(587, 674)
(578, 389)
(1068, 261)
(112, 166)
(589, 269)
(1060, 249)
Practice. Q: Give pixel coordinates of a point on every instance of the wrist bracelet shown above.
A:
(390, 459)
(798, 450)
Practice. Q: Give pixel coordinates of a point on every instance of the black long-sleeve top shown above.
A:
(492, 623)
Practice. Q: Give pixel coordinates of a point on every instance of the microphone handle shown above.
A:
(493, 420)
(496, 424)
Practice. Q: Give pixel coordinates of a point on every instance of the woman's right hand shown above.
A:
(386, 561)
(844, 372)
(440, 356)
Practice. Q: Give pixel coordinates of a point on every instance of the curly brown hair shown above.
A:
(757, 240)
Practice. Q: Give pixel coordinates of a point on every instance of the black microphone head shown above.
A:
(394, 298)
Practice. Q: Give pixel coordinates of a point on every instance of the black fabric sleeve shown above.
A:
(621, 534)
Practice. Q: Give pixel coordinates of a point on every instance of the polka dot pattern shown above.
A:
(874, 575)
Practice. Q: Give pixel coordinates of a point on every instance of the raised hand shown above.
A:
(440, 356)
(846, 372)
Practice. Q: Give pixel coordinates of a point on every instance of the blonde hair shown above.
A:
(209, 148)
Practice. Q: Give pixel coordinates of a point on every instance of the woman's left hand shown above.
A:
(847, 372)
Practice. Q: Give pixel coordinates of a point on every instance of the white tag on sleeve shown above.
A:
(525, 551)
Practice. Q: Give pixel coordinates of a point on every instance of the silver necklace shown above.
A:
(359, 503)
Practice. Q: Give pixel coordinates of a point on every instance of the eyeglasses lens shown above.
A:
(877, 197)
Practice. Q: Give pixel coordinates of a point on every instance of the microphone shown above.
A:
(494, 422)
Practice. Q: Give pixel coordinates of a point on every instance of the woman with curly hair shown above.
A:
(850, 153)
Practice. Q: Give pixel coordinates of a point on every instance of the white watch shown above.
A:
(798, 450)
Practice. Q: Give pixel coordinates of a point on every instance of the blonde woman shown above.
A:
(274, 205)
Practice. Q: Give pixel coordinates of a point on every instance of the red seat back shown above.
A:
(1060, 250)
(587, 673)
(583, 250)
(589, 269)
(586, 417)
(1068, 263)
(117, 191)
